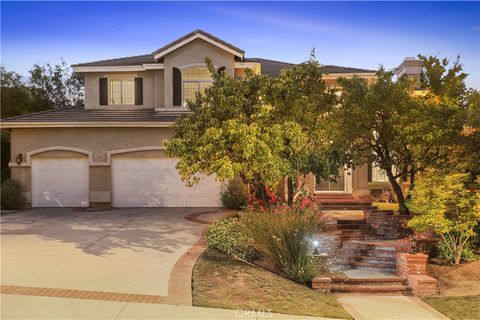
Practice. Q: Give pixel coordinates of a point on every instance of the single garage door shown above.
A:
(154, 182)
(60, 182)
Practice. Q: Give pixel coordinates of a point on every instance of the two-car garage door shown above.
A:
(154, 182)
(136, 182)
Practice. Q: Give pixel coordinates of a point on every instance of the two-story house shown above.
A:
(110, 150)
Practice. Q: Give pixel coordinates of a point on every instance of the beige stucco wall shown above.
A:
(152, 88)
(98, 141)
(193, 53)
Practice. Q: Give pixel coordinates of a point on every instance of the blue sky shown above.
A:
(356, 34)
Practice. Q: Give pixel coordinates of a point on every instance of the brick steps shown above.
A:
(393, 289)
(387, 285)
(342, 201)
(370, 259)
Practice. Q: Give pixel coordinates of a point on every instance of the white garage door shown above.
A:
(60, 182)
(154, 182)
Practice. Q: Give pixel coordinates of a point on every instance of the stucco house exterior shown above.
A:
(109, 152)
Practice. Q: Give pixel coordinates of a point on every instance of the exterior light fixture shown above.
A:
(19, 158)
(413, 245)
(315, 250)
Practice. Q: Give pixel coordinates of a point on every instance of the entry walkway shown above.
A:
(370, 307)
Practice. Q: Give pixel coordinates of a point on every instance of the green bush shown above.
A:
(444, 252)
(11, 194)
(228, 235)
(285, 236)
(235, 195)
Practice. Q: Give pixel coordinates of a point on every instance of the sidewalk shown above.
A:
(34, 307)
(363, 307)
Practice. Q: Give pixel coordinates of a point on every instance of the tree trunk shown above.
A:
(458, 256)
(290, 190)
(398, 192)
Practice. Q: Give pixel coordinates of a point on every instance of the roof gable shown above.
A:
(197, 34)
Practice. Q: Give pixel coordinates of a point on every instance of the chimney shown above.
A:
(412, 67)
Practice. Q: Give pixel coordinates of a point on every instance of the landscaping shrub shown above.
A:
(285, 236)
(449, 206)
(228, 235)
(11, 194)
(235, 195)
(444, 252)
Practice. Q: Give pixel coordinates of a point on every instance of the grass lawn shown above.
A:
(386, 206)
(456, 308)
(220, 281)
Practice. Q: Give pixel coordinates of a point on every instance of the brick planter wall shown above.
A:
(322, 284)
(414, 268)
(330, 243)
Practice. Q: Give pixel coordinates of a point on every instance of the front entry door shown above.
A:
(342, 183)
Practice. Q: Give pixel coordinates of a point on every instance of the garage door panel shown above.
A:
(154, 182)
(60, 182)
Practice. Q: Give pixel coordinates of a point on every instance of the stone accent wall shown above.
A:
(414, 268)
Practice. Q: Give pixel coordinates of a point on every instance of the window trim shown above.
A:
(121, 79)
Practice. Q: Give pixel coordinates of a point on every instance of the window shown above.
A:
(195, 79)
(378, 174)
(122, 91)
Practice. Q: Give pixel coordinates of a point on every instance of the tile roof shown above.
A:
(272, 68)
(126, 61)
(149, 58)
(80, 114)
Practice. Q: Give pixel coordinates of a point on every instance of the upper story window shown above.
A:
(195, 79)
(122, 91)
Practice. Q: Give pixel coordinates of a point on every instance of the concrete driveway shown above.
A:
(121, 250)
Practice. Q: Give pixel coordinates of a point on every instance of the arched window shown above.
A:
(195, 79)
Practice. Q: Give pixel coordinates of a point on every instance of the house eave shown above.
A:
(142, 67)
(14, 125)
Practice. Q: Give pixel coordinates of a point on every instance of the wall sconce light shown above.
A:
(413, 245)
(19, 158)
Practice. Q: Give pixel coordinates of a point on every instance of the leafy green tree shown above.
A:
(254, 128)
(229, 133)
(300, 95)
(56, 86)
(368, 124)
(448, 206)
(16, 96)
(403, 131)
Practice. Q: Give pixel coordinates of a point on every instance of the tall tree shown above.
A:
(404, 132)
(229, 133)
(56, 85)
(16, 96)
(258, 128)
(301, 95)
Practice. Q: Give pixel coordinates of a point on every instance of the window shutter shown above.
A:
(177, 87)
(369, 172)
(103, 82)
(138, 91)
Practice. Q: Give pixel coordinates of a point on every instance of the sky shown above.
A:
(353, 34)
